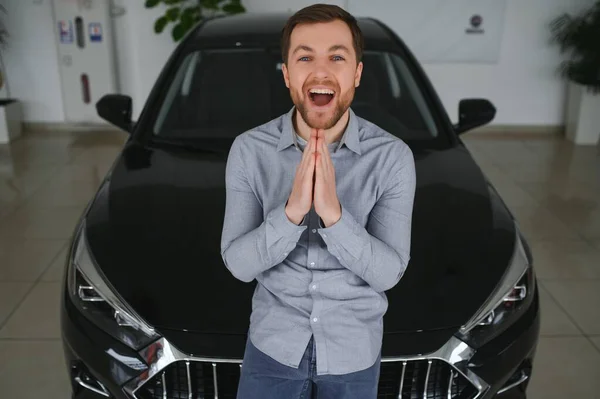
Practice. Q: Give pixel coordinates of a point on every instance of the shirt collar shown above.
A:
(349, 138)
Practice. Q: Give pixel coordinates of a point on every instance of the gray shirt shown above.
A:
(325, 282)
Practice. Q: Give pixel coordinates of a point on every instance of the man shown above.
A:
(318, 211)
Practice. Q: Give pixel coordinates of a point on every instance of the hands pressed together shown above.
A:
(314, 182)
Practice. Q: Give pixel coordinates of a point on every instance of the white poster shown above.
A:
(442, 31)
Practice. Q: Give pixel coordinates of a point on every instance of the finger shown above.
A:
(311, 169)
(313, 148)
(302, 165)
(319, 147)
(308, 152)
(321, 161)
(325, 157)
(328, 159)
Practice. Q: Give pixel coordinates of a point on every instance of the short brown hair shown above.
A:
(317, 13)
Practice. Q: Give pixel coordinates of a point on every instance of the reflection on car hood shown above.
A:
(155, 230)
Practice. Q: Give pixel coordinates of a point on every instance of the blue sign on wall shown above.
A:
(95, 32)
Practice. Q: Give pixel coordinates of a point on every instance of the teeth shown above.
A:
(322, 91)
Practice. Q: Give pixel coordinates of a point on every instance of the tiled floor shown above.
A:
(553, 188)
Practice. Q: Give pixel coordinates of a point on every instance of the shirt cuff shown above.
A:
(343, 233)
(284, 226)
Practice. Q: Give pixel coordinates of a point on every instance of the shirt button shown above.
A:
(338, 257)
(315, 320)
(314, 230)
(314, 287)
(325, 235)
(312, 263)
(285, 253)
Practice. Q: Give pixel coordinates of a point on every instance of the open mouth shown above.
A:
(321, 97)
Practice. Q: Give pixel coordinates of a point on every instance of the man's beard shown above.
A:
(313, 118)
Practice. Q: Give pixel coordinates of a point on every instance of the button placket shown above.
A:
(317, 322)
(311, 242)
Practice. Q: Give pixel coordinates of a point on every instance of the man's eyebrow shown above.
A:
(303, 47)
(339, 47)
(336, 47)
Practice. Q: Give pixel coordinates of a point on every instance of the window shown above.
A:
(222, 93)
(389, 97)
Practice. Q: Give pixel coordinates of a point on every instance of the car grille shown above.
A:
(421, 379)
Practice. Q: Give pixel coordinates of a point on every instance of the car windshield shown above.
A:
(222, 93)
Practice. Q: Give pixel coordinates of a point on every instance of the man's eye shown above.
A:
(338, 58)
(304, 59)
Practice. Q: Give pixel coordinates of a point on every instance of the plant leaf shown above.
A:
(233, 8)
(190, 15)
(151, 3)
(179, 31)
(173, 13)
(160, 24)
(578, 36)
(210, 4)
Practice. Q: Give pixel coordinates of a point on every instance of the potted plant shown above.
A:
(579, 37)
(184, 14)
(10, 109)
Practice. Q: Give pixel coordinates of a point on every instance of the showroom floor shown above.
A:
(553, 188)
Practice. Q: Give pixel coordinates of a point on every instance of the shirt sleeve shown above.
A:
(251, 245)
(379, 253)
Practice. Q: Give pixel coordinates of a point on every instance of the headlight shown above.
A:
(96, 299)
(510, 299)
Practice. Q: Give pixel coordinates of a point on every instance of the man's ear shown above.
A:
(286, 75)
(358, 75)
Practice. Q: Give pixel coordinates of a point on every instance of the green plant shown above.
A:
(184, 14)
(579, 36)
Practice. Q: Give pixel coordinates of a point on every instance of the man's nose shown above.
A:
(321, 69)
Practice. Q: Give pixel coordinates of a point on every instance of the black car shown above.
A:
(149, 309)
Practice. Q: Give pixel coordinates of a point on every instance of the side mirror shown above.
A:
(474, 112)
(116, 109)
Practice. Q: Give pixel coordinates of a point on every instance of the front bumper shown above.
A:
(110, 369)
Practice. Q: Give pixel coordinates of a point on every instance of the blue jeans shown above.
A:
(263, 377)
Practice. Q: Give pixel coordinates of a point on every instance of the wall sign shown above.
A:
(442, 31)
(95, 32)
(475, 21)
(65, 31)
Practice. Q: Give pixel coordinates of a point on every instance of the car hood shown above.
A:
(155, 226)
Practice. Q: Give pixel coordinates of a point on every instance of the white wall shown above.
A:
(523, 84)
(141, 54)
(31, 59)
(285, 5)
